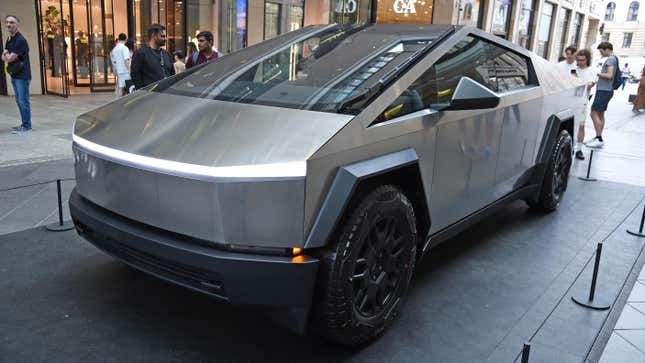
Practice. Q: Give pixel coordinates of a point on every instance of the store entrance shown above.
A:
(76, 44)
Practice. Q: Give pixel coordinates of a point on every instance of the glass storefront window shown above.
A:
(501, 17)
(271, 19)
(575, 31)
(525, 23)
(281, 16)
(296, 17)
(233, 26)
(544, 35)
(169, 13)
(350, 11)
(563, 25)
(199, 16)
(470, 13)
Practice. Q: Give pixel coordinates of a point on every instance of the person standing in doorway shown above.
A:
(206, 53)
(151, 63)
(604, 93)
(16, 56)
(120, 57)
(587, 75)
(569, 61)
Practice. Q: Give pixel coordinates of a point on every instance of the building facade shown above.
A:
(73, 37)
(623, 25)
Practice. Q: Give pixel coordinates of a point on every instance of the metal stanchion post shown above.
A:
(525, 352)
(593, 302)
(640, 230)
(587, 178)
(61, 225)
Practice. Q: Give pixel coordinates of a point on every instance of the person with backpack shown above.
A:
(609, 79)
(205, 53)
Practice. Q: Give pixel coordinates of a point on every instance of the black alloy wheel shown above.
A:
(365, 273)
(556, 177)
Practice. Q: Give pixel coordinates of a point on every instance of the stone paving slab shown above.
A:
(52, 120)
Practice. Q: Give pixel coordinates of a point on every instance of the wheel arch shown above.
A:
(353, 181)
(557, 122)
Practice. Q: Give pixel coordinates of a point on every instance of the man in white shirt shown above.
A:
(120, 56)
(587, 75)
(569, 61)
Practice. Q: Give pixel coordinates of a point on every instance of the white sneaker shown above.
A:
(595, 143)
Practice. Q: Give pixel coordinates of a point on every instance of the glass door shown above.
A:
(101, 41)
(54, 26)
(80, 44)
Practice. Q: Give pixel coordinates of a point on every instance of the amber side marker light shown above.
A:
(296, 251)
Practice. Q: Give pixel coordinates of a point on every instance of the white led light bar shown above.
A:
(295, 169)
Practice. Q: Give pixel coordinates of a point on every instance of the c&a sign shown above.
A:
(404, 11)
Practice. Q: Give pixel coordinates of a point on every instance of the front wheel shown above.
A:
(366, 271)
(556, 177)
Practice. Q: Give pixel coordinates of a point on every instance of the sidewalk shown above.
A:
(52, 119)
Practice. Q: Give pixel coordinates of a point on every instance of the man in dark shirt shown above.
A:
(16, 55)
(206, 53)
(151, 63)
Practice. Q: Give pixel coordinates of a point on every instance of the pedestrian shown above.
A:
(604, 92)
(16, 57)
(569, 61)
(192, 49)
(179, 64)
(206, 53)
(587, 75)
(639, 102)
(625, 74)
(120, 57)
(151, 63)
(130, 44)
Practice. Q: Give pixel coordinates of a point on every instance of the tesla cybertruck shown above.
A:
(309, 174)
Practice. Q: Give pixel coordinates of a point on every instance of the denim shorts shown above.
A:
(601, 100)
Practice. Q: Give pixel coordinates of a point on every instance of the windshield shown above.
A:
(323, 72)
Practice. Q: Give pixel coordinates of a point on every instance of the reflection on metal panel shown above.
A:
(255, 213)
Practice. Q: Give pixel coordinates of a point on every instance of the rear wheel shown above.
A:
(366, 271)
(556, 177)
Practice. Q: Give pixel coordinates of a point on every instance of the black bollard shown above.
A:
(61, 225)
(640, 230)
(593, 302)
(587, 178)
(525, 352)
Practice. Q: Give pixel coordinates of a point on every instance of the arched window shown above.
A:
(609, 13)
(632, 14)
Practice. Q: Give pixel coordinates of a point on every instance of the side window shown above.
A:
(470, 58)
(512, 69)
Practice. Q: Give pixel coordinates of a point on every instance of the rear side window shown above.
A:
(498, 69)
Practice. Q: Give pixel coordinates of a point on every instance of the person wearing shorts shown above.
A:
(604, 93)
(120, 56)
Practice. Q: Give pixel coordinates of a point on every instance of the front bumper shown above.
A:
(238, 278)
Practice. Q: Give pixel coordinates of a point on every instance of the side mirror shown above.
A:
(470, 95)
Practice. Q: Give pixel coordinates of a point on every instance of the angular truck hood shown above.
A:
(207, 134)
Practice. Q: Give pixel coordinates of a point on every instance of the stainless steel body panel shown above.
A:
(246, 212)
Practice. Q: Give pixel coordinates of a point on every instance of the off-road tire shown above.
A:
(376, 228)
(556, 176)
